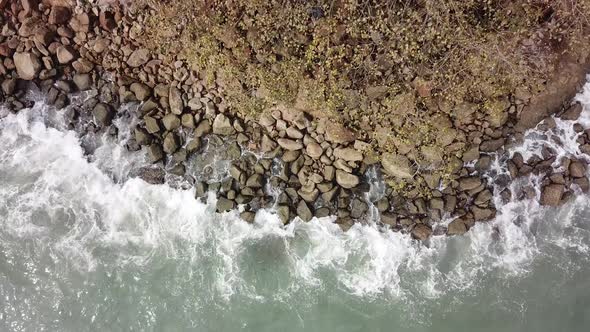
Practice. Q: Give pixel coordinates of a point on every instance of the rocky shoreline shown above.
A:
(317, 167)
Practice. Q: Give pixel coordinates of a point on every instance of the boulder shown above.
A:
(59, 15)
(82, 81)
(397, 165)
(8, 86)
(348, 154)
(170, 143)
(27, 65)
(551, 194)
(171, 121)
(289, 144)
(303, 211)
(138, 58)
(155, 153)
(456, 227)
(151, 124)
(346, 180)
(152, 175)
(141, 136)
(188, 121)
(103, 114)
(314, 150)
(106, 19)
(572, 113)
(358, 208)
(482, 214)
(65, 54)
(469, 183)
(224, 205)
(222, 125)
(175, 101)
(203, 128)
(421, 232)
(283, 213)
(492, 145)
(577, 169)
(80, 22)
(141, 91)
(248, 216)
(255, 181)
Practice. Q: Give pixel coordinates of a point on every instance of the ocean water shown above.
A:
(85, 246)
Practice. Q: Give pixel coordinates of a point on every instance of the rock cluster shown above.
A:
(317, 167)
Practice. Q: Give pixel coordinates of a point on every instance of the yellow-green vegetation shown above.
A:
(400, 73)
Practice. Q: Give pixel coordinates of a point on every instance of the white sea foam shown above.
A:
(75, 207)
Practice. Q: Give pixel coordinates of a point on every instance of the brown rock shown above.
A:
(28, 5)
(65, 54)
(551, 194)
(456, 227)
(572, 113)
(397, 165)
(421, 232)
(27, 65)
(83, 66)
(348, 154)
(80, 22)
(289, 144)
(138, 58)
(314, 150)
(59, 15)
(106, 20)
(577, 169)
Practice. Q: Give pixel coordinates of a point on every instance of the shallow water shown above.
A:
(86, 247)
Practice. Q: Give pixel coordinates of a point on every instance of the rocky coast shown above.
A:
(294, 162)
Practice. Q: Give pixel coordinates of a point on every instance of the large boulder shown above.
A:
(222, 125)
(138, 58)
(457, 227)
(551, 194)
(397, 165)
(27, 65)
(103, 114)
(346, 180)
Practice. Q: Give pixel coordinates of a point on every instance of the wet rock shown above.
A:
(303, 211)
(551, 194)
(103, 114)
(572, 113)
(248, 216)
(421, 232)
(345, 223)
(283, 213)
(152, 175)
(201, 189)
(289, 144)
(397, 165)
(583, 183)
(155, 153)
(358, 208)
(141, 137)
(8, 86)
(346, 180)
(389, 219)
(175, 101)
(171, 121)
(224, 205)
(456, 227)
(27, 65)
(170, 144)
(255, 181)
(577, 169)
(138, 58)
(203, 128)
(222, 125)
(348, 154)
(82, 81)
(151, 124)
(188, 121)
(482, 214)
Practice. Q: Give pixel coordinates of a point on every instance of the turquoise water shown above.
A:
(86, 247)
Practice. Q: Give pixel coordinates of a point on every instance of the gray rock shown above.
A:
(358, 208)
(103, 114)
(314, 150)
(151, 124)
(142, 92)
(303, 211)
(289, 144)
(389, 219)
(421, 232)
(583, 183)
(492, 145)
(8, 86)
(482, 214)
(193, 145)
(152, 175)
(346, 180)
(551, 194)
(222, 125)
(82, 81)
(456, 227)
(171, 121)
(397, 165)
(170, 143)
(283, 213)
(224, 204)
(200, 189)
(195, 104)
(141, 137)
(27, 65)
(348, 154)
(155, 153)
(255, 181)
(138, 58)
(248, 216)
(175, 101)
(294, 133)
(203, 128)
